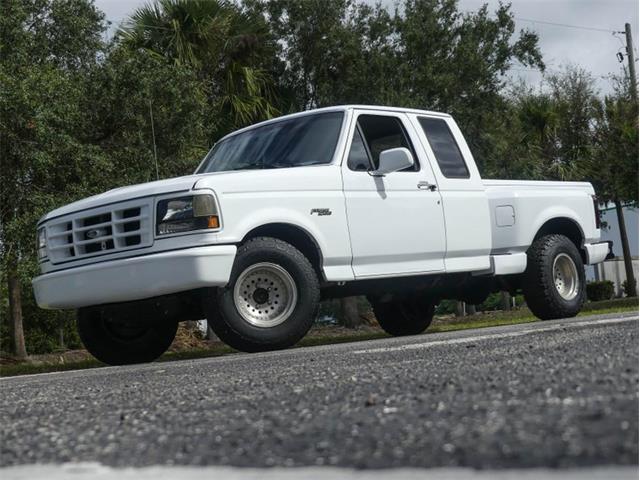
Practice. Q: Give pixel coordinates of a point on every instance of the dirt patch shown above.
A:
(189, 337)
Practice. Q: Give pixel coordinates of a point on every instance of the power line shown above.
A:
(566, 25)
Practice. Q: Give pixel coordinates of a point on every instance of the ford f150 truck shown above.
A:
(340, 201)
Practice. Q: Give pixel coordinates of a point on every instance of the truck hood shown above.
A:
(159, 187)
(305, 178)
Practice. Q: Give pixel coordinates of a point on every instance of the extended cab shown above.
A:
(341, 201)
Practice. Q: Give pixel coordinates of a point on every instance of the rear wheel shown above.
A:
(271, 300)
(409, 316)
(554, 281)
(123, 340)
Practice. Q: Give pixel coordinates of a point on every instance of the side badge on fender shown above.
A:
(321, 212)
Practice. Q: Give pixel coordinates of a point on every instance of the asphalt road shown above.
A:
(550, 394)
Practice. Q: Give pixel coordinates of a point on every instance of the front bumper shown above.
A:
(135, 278)
(598, 252)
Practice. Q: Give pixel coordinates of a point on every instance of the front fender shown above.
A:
(320, 214)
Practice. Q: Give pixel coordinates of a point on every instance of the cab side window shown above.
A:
(375, 134)
(444, 147)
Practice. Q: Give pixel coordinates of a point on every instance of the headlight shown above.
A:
(184, 214)
(41, 243)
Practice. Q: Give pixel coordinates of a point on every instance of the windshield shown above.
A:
(306, 140)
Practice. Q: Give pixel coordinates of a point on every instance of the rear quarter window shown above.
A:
(445, 147)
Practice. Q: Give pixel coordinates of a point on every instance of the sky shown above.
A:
(593, 50)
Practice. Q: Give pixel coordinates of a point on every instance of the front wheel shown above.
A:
(271, 299)
(554, 281)
(123, 339)
(409, 316)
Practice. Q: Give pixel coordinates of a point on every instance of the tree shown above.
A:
(522, 137)
(550, 129)
(506, 300)
(225, 45)
(122, 130)
(75, 120)
(45, 47)
(331, 52)
(349, 315)
(426, 55)
(456, 62)
(614, 168)
(575, 102)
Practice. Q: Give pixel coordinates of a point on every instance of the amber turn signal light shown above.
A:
(213, 222)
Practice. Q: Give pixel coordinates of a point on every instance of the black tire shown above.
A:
(122, 342)
(410, 316)
(539, 283)
(236, 331)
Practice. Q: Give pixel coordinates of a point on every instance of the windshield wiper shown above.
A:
(249, 166)
(261, 166)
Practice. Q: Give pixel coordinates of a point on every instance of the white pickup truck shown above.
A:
(340, 201)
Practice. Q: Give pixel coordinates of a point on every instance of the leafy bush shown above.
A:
(494, 302)
(602, 290)
(446, 307)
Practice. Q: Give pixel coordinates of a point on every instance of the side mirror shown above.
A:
(393, 160)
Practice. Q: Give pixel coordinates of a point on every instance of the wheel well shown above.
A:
(566, 227)
(294, 235)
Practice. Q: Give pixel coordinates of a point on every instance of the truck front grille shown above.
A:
(100, 231)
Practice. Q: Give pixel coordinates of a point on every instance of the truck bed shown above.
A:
(519, 208)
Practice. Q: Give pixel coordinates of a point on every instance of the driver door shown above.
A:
(396, 223)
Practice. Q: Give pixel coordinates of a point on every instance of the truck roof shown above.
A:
(337, 108)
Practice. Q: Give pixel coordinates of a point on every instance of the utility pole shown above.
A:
(630, 291)
(632, 61)
(626, 253)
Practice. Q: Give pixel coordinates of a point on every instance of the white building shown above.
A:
(613, 269)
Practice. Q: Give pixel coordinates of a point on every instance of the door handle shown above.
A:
(427, 186)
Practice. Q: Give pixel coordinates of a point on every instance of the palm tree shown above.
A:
(539, 115)
(614, 166)
(225, 45)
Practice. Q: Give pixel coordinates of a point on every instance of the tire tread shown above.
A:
(538, 285)
(234, 337)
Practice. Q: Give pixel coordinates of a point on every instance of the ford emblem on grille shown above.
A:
(91, 234)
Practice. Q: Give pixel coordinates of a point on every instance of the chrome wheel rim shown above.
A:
(565, 276)
(265, 294)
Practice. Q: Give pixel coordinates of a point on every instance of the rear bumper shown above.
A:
(135, 278)
(598, 252)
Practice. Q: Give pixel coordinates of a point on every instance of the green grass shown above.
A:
(493, 319)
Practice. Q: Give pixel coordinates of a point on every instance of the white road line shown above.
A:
(501, 335)
(94, 471)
